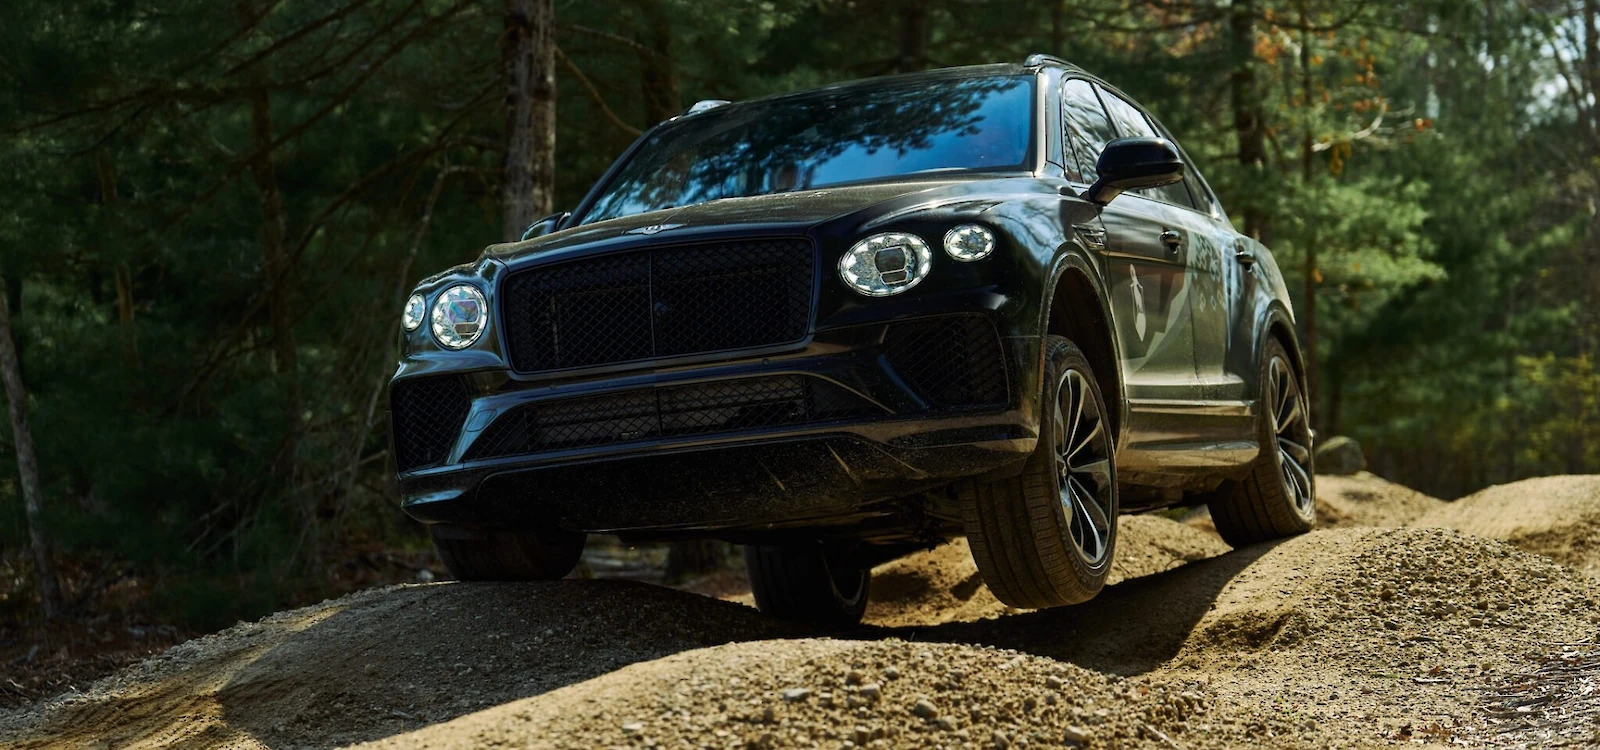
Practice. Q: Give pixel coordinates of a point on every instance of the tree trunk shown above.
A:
(274, 227)
(1246, 101)
(1307, 172)
(687, 557)
(913, 37)
(659, 84)
(1058, 27)
(528, 65)
(27, 462)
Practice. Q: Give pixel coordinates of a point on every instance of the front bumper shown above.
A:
(821, 434)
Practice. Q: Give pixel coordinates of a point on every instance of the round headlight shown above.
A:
(459, 316)
(886, 264)
(969, 242)
(415, 311)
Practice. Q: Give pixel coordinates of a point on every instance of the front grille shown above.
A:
(426, 415)
(950, 362)
(659, 302)
(672, 411)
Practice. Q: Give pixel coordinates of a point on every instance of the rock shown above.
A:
(795, 695)
(944, 722)
(924, 708)
(870, 691)
(1000, 740)
(1053, 682)
(1076, 735)
(425, 576)
(891, 673)
(1476, 622)
(854, 677)
(1340, 456)
(632, 727)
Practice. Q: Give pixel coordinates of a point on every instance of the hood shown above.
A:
(779, 213)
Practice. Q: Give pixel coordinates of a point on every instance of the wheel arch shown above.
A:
(1277, 324)
(1076, 308)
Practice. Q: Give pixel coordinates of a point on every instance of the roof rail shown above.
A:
(705, 104)
(1038, 58)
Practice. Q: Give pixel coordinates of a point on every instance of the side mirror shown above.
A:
(1134, 163)
(546, 225)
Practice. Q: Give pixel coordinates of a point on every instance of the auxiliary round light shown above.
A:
(459, 316)
(969, 242)
(886, 264)
(416, 310)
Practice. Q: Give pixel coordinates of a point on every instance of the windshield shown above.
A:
(827, 138)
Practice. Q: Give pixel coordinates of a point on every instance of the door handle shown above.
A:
(1172, 240)
(1245, 256)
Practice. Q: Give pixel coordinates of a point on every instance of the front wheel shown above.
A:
(471, 555)
(1046, 537)
(811, 583)
(1278, 498)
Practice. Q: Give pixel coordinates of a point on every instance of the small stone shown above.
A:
(1076, 735)
(924, 708)
(1387, 593)
(854, 677)
(1391, 624)
(1053, 682)
(633, 727)
(1476, 622)
(1502, 606)
(768, 716)
(795, 695)
(425, 576)
(1000, 740)
(862, 735)
(891, 673)
(870, 691)
(1029, 704)
(944, 722)
(1050, 699)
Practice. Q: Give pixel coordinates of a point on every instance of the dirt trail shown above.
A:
(1349, 635)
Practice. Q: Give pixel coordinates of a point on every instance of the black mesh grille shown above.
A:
(698, 409)
(950, 362)
(426, 416)
(659, 302)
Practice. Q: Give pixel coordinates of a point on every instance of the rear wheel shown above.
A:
(811, 583)
(1047, 537)
(1278, 498)
(473, 555)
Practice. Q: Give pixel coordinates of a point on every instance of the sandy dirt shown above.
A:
(1359, 633)
(1558, 517)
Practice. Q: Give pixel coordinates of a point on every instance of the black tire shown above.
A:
(506, 556)
(808, 583)
(1031, 553)
(1278, 498)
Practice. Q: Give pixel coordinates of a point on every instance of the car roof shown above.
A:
(1031, 66)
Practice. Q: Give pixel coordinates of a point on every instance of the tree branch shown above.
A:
(595, 95)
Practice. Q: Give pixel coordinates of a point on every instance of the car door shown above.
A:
(1145, 265)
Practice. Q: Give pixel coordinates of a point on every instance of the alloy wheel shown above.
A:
(1292, 427)
(1083, 467)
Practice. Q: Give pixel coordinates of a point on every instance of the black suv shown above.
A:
(839, 325)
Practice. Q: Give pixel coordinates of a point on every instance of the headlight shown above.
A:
(459, 316)
(415, 310)
(886, 264)
(969, 242)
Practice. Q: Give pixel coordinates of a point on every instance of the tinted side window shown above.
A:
(1132, 123)
(1087, 128)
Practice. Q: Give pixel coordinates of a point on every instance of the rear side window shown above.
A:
(1131, 123)
(1088, 130)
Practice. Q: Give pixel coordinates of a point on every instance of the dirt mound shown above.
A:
(382, 662)
(879, 693)
(943, 585)
(1558, 517)
(1366, 499)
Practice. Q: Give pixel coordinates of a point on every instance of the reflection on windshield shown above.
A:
(828, 138)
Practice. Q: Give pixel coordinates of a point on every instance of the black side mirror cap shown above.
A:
(1134, 163)
(553, 222)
